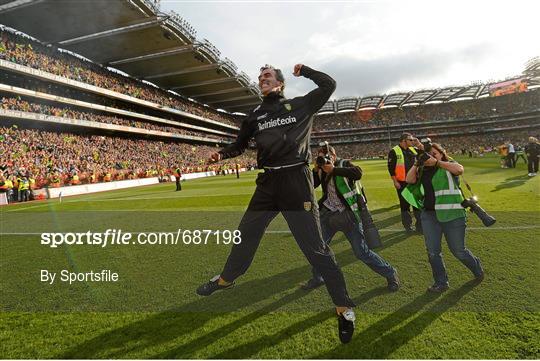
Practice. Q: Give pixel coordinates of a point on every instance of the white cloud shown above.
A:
(373, 46)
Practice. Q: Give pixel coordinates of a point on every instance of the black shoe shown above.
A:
(346, 325)
(312, 284)
(438, 288)
(479, 278)
(212, 286)
(393, 282)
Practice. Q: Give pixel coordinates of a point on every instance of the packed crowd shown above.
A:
(475, 144)
(466, 109)
(24, 51)
(55, 159)
(74, 94)
(66, 112)
(480, 127)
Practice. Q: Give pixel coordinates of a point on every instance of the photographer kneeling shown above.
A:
(442, 212)
(340, 211)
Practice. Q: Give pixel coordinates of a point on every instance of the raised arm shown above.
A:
(453, 167)
(348, 170)
(316, 98)
(412, 175)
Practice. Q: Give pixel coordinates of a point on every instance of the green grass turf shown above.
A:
(153, 311)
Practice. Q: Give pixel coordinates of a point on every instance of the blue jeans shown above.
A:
(454, 232)
(332, 222)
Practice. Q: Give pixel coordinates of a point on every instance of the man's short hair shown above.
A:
(405, 136)
(279, 75)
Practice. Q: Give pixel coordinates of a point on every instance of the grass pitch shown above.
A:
(153, 311)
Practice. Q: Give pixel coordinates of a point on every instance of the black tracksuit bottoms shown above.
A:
(289, 191)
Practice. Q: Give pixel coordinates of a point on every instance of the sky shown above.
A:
(371, 47)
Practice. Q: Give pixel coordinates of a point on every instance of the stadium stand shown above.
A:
(16, 48)
(472, 126)
(449, 111)
(53, 157)
(471, 144)
(67, 120)
(69, 113)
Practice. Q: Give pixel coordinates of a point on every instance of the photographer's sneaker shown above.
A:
(212, 286)
(393, 283)
(312, 284)
(346, 325)
(438, 288)
(479, 278)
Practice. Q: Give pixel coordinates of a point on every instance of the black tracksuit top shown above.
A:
(282, 127)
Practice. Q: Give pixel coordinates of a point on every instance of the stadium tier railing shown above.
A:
(385, 128)
(51, 119)
(433, 133)
(82, 104)
(428, 129)
(43, 75)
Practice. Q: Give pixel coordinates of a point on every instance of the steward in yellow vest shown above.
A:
(24, 189)
(400, 159)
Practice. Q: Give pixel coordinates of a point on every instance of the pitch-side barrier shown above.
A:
(109, 186)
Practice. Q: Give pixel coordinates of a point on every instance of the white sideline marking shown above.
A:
(126, 199)
(19, 209)
(283, 232)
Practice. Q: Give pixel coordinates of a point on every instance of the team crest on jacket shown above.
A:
(307, 206)
(287, 106)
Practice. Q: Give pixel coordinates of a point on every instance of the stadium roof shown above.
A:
(426, 96)
(395, 99)
(532, 71)
(347, 104)
(370, 102)
(135, 37)
(328, 107)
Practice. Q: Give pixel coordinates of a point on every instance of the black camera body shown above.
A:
(423, 154)
(323, 160)
(326, 158)
(472, 204)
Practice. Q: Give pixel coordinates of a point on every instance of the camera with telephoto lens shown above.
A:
(423, 154)
(472, 204)
(326, 158)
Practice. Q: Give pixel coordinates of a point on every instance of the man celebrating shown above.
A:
(340, 212)
(281, 128)
(400, 159)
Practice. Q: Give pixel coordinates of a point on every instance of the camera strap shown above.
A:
(466, 185)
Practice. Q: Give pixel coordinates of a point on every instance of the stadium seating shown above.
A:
(142, 141)
(22, 50)
(48, 155)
